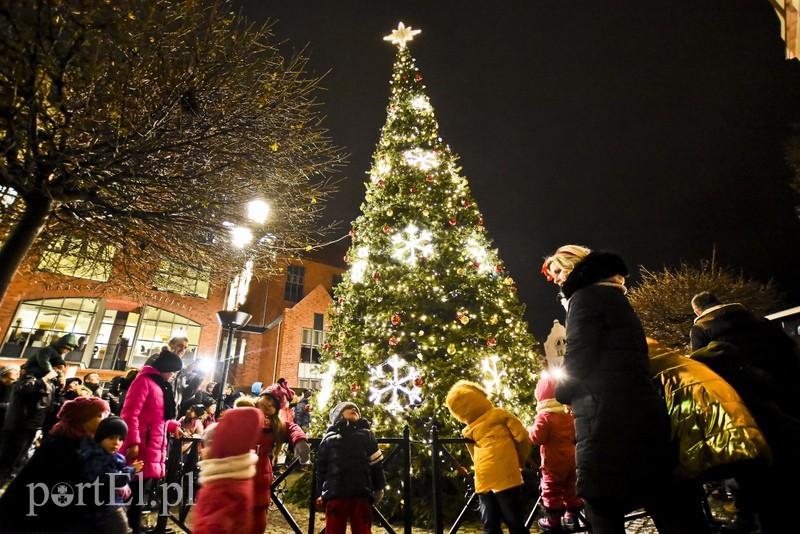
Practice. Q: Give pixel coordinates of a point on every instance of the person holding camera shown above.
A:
(31, 401)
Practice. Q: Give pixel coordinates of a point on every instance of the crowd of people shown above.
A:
(625, 423)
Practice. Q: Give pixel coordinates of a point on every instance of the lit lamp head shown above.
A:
(233, 318)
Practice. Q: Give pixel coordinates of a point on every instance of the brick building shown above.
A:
(117, 331)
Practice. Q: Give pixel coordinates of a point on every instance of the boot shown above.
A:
(551, 522)
(572, 519)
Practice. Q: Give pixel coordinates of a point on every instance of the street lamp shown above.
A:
(231, 319)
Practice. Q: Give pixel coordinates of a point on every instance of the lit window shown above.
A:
(79, 258)
(188, 281)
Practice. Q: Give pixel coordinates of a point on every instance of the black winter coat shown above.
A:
(349, 462)
(760, 343)
(31, 401)
(621, 424)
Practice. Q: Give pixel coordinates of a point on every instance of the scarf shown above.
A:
(169, 397)
(233, 467)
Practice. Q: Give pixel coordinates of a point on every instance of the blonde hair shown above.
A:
(566, 258)
(245, 401)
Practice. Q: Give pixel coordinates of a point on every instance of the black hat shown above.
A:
(167, 362)
(111, 426)
(72, 379)
(55, 361)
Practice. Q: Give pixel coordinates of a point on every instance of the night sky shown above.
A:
(655, 130)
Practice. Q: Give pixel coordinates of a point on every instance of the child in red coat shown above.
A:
(554, 432)
(227, 493)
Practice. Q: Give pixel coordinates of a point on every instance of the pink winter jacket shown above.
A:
(143, 412)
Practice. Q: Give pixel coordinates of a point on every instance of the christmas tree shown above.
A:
(426, 301)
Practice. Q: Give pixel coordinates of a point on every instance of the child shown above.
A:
(349, 471)
(104, 464)
(192, 422)
(554, 432)
(227, 493)
(500, 451)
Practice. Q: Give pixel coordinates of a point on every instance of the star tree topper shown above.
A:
(401, 35)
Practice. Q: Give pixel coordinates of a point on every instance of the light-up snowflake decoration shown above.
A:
(359, 266)
(421, 103)
(393, 380)
(422, 159)
(495, 378)
(412, 244)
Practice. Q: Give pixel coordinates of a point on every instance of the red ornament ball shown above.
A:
(476, 265)
(338, 355)
(393, 341)
(480, 221)
(419, 382)
(413, 189)
(417, 78)
(429, 178)
(326, 346)
(396, 320)
(452, 221)
(380, 183)
(491, 342)
(512, 288)
(386, 228)
(355, 387)
(376, 275)
(347, 259)
(499, 268)
(351, 233)
(465, 204)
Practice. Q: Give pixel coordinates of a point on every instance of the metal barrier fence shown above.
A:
(182, 470)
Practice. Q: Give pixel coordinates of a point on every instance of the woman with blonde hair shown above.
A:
(622, 430)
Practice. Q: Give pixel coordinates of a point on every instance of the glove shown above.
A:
(303, 451)
(377, 495)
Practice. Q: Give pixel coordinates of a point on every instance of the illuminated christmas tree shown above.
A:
(426, 301)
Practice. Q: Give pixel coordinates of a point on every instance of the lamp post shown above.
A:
(231, 318)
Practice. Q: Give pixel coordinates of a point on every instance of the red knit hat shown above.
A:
(73, 414)
(237, 432)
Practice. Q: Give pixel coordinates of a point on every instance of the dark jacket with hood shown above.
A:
(302, 417)
(621, 424)
(349, 462)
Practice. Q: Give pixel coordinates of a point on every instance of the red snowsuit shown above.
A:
(225, 501)
(554, 432)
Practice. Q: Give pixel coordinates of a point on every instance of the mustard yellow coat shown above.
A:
(711, 426)
(501, 441)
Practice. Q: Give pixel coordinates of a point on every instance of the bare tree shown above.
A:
(146, 125)
(663, 299)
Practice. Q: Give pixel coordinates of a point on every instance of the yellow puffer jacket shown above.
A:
(711, 426)
(501, 443)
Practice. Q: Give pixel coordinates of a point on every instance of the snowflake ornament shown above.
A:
(394, 380)
(412, 244)
(424, 160)
(495, 377)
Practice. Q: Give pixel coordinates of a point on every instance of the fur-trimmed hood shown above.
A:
(595, 267)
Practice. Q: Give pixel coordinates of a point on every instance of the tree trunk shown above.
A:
(22, 237)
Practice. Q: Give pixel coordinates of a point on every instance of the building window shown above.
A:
(79, 258)
(38, 322)
(157, 328)
(308, 375)
(188, 281)
(313, 338)
(295, 275)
